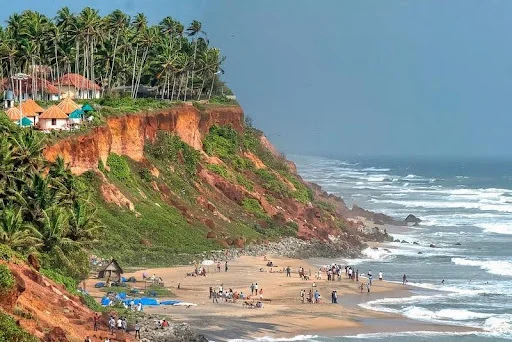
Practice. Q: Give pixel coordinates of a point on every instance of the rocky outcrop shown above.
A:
(126, 135)
(412, 219)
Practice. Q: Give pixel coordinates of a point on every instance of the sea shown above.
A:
(466, 210)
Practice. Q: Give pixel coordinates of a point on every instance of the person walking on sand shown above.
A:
(211, 292)
(380, 276)
(357, 275)
(368, 286)
(226, 266)
(302, 295)
(404, 279)
(361, 287)
(137, 330)
(111, 324)
(252, 288)
(335, 297)
(218, 266)
(288, 271)
(256, 288)
(214, 297)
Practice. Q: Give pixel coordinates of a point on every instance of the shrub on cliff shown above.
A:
(254, 207)
(221, 141)
(6, 279)
(12, 332)
(119, 167)
(170, 147)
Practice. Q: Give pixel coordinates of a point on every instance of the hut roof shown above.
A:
(112, 266)
(53, 112)
(13, 113)
(31, 108)
(68, 106)
(77, 81)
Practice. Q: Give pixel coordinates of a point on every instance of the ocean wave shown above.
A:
(391, 335)
(376, 178)
(498, 267)
(499, 323)
(419, 313)
(498, 228)
(375, 169)
(277, 339)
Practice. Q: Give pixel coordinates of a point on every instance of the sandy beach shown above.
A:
(284, 315)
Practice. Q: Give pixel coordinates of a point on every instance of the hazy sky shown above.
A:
(336, 77)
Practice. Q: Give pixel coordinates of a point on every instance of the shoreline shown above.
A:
(284, 316)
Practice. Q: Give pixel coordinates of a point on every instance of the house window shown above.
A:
(54, 122)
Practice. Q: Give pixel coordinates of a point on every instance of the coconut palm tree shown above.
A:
(193, 31)
(116, 22)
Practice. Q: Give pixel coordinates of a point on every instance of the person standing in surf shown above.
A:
(404, 279)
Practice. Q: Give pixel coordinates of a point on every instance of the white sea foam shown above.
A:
(420, 313)
(496, 227)
(390, 335)
(375, 169)
(499, 323)
(499, 267)
(277, 339)
(376, 178)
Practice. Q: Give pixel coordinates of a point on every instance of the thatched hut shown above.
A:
(111, 271)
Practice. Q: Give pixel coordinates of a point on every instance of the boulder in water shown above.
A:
(412, 219)
(403, 241)
(396, 240)
(420, 252)
(458, 244)
(415, 243)
(432, 245)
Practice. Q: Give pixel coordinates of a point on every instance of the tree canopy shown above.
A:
(116, 51)
(44, 209)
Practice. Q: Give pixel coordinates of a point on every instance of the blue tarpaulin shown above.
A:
(170, 302)
(100, 284)
(148, 301)
(105, 301)
(122, 295)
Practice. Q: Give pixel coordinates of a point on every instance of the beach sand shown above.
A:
(285, 315)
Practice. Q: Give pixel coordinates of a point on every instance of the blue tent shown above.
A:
(87, 108)
(25, 122)
(76, 114)
(105, 301)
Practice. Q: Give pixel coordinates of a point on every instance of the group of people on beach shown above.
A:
(232, 296)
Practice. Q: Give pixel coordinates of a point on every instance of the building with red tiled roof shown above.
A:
(78, 87)
(46, 91)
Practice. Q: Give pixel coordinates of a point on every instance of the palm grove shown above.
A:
(44, 209)
(115, 51)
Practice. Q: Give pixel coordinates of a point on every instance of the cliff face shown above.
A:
(126, 135)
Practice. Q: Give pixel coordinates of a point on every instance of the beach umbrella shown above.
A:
(76, 115)
(87, 108)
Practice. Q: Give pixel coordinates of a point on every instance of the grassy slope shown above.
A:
(168, 224)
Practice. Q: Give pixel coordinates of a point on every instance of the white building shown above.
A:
(78, 87)
(53, 118)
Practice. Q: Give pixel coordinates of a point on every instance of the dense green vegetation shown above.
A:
(119, 52)
(43, 208)
(11, 332)
(6, 279)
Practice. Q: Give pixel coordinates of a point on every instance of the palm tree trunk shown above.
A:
(57, 64)
(113, 60)
(173, 86)
(134, 64)
(186, 84)
(201, 90)
(211, 88)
